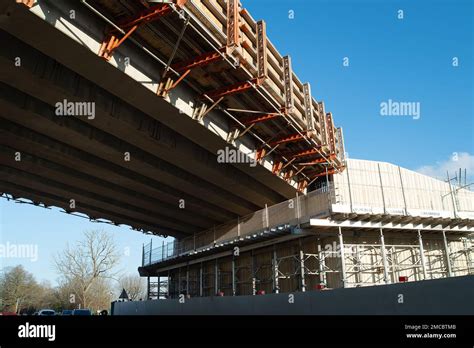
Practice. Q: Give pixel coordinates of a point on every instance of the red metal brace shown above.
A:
(131, 24)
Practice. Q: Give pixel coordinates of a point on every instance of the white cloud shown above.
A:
(461, 160)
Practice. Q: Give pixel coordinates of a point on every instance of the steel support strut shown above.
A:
(249, 121)
(384, 258)
(287, 139)
(422, 256)
(447, 254)
(130, 25)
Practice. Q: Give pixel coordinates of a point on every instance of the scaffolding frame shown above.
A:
(348, 262)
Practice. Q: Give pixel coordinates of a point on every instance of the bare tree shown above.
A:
(134, 286)
(91, 260)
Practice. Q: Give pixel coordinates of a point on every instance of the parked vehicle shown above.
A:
(8, 313)
(67, 312)
(84, 311)
(47, 312)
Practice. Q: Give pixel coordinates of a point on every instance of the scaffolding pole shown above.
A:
(148, 288)
(422, 255)
(187, 280)
(233, 277)
(254, 285)
(448, 256)
(384, 257)
(276, 287)
(322, 263)
(200, 280)
(216, 277)
(302, 270)
(169, 286)
(343, 261)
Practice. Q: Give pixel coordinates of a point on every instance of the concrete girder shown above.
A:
(53, 200)
(27, 141)
(58, 173)
(40, 118)
(37, 77)
(55, 43)
(81, 196)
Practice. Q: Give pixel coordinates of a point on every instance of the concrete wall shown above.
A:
(450, 296)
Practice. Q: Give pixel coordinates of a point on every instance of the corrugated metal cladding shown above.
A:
(378, 187)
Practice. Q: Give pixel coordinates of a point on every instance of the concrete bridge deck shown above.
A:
(138, 159)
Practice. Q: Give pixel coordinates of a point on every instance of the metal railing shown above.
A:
(291, 212)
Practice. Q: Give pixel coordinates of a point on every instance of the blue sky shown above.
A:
(408, 60)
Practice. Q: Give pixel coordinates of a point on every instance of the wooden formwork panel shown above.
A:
(213, 14)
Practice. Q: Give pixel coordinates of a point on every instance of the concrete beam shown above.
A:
(67, 51)
(53, 200)
(40, 118)
(27, 141)
(63, 175)
(81, 196)
(37, 77)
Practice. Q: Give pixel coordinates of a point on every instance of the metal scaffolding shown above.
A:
(353, 264)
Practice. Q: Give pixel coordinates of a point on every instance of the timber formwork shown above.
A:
(221, 52)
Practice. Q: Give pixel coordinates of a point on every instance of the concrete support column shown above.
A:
(343, 259)
(422, 255)
(447, 254)
(384, 258)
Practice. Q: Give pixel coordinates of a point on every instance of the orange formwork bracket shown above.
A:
(236, 88)
(302, 184)
(277, 167)
(27, 3)
(289, 174)
(129, 25)
(287, 139)
(318, 160)
(303, 153)
(260, 154)
(198, 61)
(262, 118)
